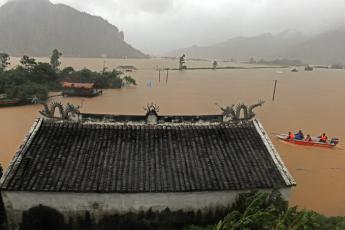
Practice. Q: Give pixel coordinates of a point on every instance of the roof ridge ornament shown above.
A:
(233, 114)
(151, 108)
(67, 112)
(151, 114)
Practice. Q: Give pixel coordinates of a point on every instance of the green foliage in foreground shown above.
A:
(269, 211)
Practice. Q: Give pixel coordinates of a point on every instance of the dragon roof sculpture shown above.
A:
(66, 112)
(234, 113)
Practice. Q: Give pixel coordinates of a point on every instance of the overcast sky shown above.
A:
(156, 26)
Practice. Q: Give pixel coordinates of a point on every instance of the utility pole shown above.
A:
(103, 67)
(274, 90)
(159, 75)
(167, 77)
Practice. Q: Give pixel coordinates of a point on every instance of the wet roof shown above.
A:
(78, 85)
(139, 158)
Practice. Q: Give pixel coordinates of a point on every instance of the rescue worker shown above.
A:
(308, 138)
(299, 135)
(323, 138)
(291, 136)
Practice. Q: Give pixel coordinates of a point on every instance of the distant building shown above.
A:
(127, 68)
(80, 89)
(308, 68)
(119, 163)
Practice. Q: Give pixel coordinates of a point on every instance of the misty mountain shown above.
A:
(325, 48)
(36, 27)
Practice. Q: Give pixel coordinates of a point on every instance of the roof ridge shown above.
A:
(143, 124)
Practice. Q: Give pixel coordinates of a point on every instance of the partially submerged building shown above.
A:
(74, 89)
(127, 68)
(115, 164)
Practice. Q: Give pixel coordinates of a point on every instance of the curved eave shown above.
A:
(284, 172)
(15, 162)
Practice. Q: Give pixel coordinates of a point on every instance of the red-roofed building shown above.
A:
(80, 89)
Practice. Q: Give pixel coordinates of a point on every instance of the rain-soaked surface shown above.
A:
(313, 101)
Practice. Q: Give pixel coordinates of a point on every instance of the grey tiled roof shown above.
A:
(120, 158)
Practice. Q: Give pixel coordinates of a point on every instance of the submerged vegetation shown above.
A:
(33, 79)
(283, 62)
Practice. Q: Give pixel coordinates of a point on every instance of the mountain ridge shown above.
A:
(37, 27)
(324, 48)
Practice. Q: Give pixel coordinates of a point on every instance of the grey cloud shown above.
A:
(156, 26)
(156, 6)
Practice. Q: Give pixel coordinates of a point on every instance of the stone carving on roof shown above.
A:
(67, 112)
(151, 113)
(240, 113)
(151, 108)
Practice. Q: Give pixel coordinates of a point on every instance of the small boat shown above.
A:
(315, 141)
(4, 102)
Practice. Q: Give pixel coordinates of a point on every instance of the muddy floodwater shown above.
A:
(312, 101)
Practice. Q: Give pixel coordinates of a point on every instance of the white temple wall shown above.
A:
(100, 203)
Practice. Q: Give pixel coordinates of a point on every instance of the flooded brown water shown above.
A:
(312, 101)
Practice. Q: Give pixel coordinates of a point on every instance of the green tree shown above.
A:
(28, 91)
(127, 80)
(182, 62)
(28, 63)
(43, 73)
(55, 59)
(215, 64)
(4, 61)
(107, 79)
(67, 71)
(270, 211)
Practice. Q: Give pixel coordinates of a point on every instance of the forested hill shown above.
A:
(36, 27)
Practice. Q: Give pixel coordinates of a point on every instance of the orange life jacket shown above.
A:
(291, 136)
(324, 138)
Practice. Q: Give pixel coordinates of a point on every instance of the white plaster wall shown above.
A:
(68, 203)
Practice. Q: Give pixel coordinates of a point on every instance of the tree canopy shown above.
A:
(182, 62)
(4, 61)
(55, 59)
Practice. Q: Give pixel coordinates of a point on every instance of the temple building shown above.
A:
(121, 163)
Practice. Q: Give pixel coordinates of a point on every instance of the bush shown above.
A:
(270, 211)
(27, 91)
(43, 218)
(150, 220)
